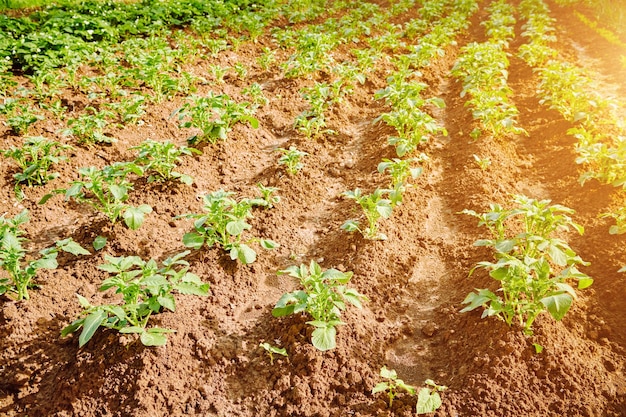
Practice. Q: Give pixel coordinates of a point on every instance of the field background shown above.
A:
(415, 280)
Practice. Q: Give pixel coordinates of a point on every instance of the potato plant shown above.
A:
(224, 223)
(214, 115)
(159, 159)
(106, 190)
(290, 158)
(35, 157)
(13, 259)
(146, 289)
(375, 206)
(323, 298)
(532, 266)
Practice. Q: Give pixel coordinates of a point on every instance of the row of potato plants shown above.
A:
(483, 69)
(567, 88)
(146, 287)
(414, 127)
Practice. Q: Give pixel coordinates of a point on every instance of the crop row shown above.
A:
(567, 88)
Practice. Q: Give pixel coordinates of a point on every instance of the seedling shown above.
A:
(106, 190)
(392, 385)
(214, 115)
(428, 399)
(273, 350)
(20, 118)
(146, 289)
(159, 159)
(324, 298)
(375, 207)
(291, 159)
(88, 128)
(255, 92)
(13, 257)
(35, 157)
(218, 72)
(531, 266)
(224, 224)
(483, 163)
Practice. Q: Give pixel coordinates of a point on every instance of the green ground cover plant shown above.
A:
(375, 207)
(159, 159)
(35, 158)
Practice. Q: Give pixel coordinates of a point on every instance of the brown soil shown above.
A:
(415, 281)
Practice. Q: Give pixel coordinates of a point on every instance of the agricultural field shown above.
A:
(312, 208)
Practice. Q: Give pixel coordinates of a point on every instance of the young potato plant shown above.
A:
(290, 158)
(214, 115)
(375, 207)
(106, 190)
(159, 159)
(146, 289)
(400, 171)
(35, 157)
(532, 266)
(224, 223)
(88, 128)
(273, 350)
(20, 118)
(324, 298)
(13, 257)
(392, 385)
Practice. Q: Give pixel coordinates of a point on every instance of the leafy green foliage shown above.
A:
(375, 207)
(214, 115)
(224, 224)
(35, 157)
(13, 257)
(291, 159)
(159, 159)
(89, 128)
(392, 385)
(428, 398)
(532, 266)
(324, 298)
(106, 190)
(273, 350)
(146, 289)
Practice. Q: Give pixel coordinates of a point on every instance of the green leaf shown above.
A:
(193, 240)
(188, 288)
(167, 301)
(380, 387)
(427, 402)
(134, 216)
(99, 242)
(557, 304)
(268, 244)
(90, 325)
(324, 338)
(132, 330)
(68, 245)
(45, 263)
(584, 283)
(350, 226)
(149, 338)
(84, 303)
(119, 192)
(244, 253)
(237, 227)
